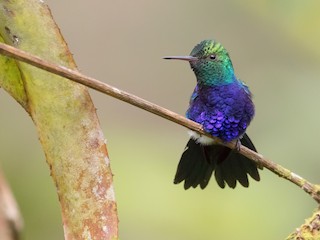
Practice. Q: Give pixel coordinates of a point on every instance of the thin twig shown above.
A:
(312, 189)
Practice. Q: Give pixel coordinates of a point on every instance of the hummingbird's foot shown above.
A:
(237, 145)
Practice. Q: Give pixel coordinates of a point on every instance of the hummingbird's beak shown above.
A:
(185, 58)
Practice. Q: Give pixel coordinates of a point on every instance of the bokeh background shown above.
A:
(274, 48)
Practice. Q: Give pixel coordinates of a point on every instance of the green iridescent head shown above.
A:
(210, 62)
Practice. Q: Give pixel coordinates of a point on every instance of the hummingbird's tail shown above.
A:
(198, 162)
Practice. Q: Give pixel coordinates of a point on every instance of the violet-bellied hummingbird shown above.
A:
(223, 105)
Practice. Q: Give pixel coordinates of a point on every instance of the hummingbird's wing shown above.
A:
(198, 162)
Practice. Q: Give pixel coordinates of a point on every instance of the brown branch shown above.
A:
(312, 189)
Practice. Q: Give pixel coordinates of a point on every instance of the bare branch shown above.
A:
(312, 189)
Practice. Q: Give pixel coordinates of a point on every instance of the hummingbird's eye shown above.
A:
(212, 56)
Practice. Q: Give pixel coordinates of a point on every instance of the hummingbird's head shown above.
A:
(210, 62)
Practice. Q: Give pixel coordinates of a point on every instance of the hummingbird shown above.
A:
(222, 104)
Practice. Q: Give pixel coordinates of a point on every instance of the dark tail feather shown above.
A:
(198, 162)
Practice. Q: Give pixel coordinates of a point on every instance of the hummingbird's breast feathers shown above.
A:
(224, 111)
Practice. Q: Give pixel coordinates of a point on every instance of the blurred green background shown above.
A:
(274, 48)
